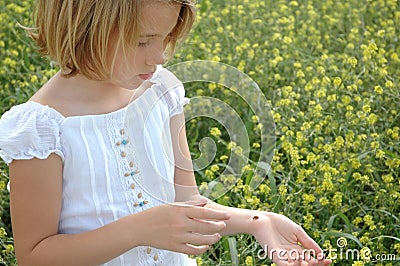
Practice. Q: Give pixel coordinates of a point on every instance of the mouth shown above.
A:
(146, 76)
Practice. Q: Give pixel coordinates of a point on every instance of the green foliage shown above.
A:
(331, 71)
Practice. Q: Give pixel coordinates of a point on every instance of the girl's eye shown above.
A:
(143, 44)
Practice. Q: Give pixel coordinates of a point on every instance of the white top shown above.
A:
(109, 166)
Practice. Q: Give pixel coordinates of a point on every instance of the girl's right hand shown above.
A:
(188, 228)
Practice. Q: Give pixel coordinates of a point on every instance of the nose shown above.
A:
(156, 56)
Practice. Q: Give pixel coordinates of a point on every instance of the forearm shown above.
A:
(241, 221)
(90, 248)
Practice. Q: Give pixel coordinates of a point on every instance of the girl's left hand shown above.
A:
(285, 242)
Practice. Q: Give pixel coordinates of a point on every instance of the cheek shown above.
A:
(127, 65)
(126, 57)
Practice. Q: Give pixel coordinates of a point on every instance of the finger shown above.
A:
(193, 250)
(295, 260)
(316, 263)
(204, 213)
(308, 255)
(311, 257)
(189, 203)
(206, 227)
(199, 239)
(199, 203)
(307, 242)
(296, 256)
(322, 262)
(280, 257)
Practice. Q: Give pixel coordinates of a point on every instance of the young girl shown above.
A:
(76, 172)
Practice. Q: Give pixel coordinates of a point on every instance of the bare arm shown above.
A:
(36, 191)
(272, 231)
(36, 188)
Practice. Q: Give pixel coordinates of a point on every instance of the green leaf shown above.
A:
(233, 251)
(345, 235)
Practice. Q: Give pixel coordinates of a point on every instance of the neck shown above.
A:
(79, 95)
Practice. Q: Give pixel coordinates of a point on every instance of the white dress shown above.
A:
(110, 168)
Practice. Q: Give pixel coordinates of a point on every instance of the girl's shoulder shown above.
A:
(171, 89)
(29, 115)
(29, 130)
(29, 108)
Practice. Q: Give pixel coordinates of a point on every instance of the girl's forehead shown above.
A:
(159, 18)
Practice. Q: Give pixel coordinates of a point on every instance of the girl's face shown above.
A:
(139, 63)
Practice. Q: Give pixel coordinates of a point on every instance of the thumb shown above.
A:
(197, 202)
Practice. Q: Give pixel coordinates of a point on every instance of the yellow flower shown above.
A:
(256, 145)
(355, 163)
(357, 220)
(223, 157)
(368, 220)
(308, 198)
(308, 219)
(387, 178)
(3, 233)
(374, 145)
(282, 190)
(9, 248)
(327, 184)
(324, 57)
(214, 168)
(378, 89)
(389, 84)
(323, 201)
(199, 261)
(337, 199)
(215, 132)
(352, 61)
(216, 58)
(212, 86)
(332, 98)
(209, 173)
(249, 261)
(397, 247)
(365, 254)
(380, 154)
(300, 74)
(337, 81)
(366, 108)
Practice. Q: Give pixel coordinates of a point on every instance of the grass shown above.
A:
(330, 70)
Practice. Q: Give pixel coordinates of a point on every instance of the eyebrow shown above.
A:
(150, 35)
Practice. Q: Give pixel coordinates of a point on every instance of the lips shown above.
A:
(146, 76)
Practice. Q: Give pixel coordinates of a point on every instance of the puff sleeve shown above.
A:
(172, 89)
(30, 130)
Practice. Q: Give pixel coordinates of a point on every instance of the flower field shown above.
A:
(331, 73)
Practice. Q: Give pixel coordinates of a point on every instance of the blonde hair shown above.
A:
(76, 33)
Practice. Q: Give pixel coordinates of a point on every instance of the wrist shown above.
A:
(134, 234)
(139, 234)
(259, 221)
